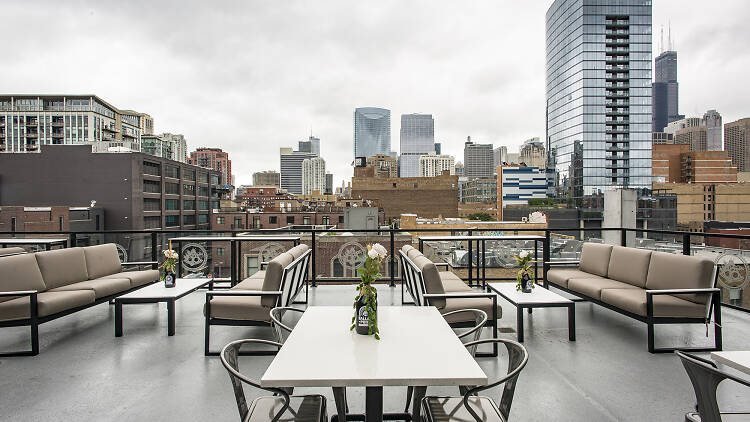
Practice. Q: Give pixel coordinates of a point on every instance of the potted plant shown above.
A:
(525, 277)
(168, 267)
(365, 319)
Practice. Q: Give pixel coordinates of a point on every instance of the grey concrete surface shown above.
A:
(84, 373)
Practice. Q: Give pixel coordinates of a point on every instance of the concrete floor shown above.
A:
(84, 373)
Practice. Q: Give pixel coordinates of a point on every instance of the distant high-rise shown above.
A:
(213, 158)
(372, 131)
(432, 165)
(665, 91)
(291, 169)
(417, 139)
(499, 156)
(438, 148)
(599, 95)
(313, 175)
(329, 184)
(532, 153)
(478, 160)
(714, 139)
(267, 178)
(695, 136)
(312, 145)
(737, 143)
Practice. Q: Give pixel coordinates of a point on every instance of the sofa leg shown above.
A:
(206, 338)
(650, 329)
(34, 339)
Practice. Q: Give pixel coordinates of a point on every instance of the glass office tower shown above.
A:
(372, 131)
(599, 96)
(417, 139)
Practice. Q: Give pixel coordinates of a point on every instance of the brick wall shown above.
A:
(428, 197)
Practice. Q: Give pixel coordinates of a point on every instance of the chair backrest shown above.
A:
(706, 378)
(277, 316)
(228, 356)
(517, 359)
(473, 334)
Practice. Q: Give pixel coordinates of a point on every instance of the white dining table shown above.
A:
(739, 360)
(416, 348)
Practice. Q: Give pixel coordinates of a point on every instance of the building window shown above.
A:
(202, 218)
(171, 220)
(341, 219)
(219, 251)
(237, 222)
(256, 221)
(172, 188)
(151, 222)
(188, 220)
(219, 220)
(60, 221)
(171, 204)
(203, 205)
(151, 204)
(273, 220)
(172, 171)
(188, 190)
(202, 190)
(151, 186)
(188, 205)
(306, 220)
(203, 178)
(326, 220)
(154, 169)
(290, 219)
(189, 175)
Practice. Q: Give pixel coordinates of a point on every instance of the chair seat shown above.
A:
(592, 287)
(634, 300)
(310, 408)
(245, 308)
(444, 409)
(48, 303)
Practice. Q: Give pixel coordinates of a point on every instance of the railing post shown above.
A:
(686, 244)
(545, 256)
(72, 240)
(154, 252)
(312, 243)
(393, 257)
(624, 237)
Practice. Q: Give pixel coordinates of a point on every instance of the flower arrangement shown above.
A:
(525, 277)
(365, 318)
(170, 263)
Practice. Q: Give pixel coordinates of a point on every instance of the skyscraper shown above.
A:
(499, 156)
(599, 95)
(714, 139)
(417, 139)
(438, 148)
(478, 160)
(313, 175)
(665, 91)
(737, 143)
(291, 169)
(312, 144)
(372, 131)
(432, 165)
(213, 158)
(532, 153)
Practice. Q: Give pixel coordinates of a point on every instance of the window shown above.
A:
(289, 219)
(151, 204)
(203, 205)
(189, 175)
(153, 169)
(151, 186)
(219, 220)
(273, 220)
(60, 221)
(188, 190)
(172, 171)
(188, 205)
(171, 220)
(188, 220)
(171, 204)
(341, 219)
(306, 220)
(172, 188)
(202, 218)
(237, 222)
(326, 220)
(219, 251)
(203, 178)
(202, 190)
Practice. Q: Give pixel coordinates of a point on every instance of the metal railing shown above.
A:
(337, 253)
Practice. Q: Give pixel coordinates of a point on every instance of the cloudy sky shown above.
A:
(252, 76)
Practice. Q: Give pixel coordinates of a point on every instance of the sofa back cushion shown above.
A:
(298, 250)
(61, 267)
(629, 265)
(595, 258)
(432, 282)
(11, 251)
(102, 260)
(20, 272)
(673, 271)
(272, 280)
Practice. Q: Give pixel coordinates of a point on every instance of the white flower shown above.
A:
(523, 254)
(382, 251)
(372, 253)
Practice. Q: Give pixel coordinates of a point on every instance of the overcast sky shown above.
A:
(252, 76)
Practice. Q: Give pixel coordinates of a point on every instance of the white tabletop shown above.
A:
(31, 241)
(230, 238)
(498, 237)
(739, 360)
(539, 295)
(157, 290)
(416, 347)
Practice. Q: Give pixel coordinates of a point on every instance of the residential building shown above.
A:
(30, 121)
(213, 158)
(517, 184)
(533, 154)
(499, 156)
(312, 144)
(136, 191)
(384, 165)
(667, 162)
(145, 121)
(714, 139)
(460, 169)
(737, 143)
(438, 148)
(481, 190)
(157, 146)
(178, 145)
(313, 175)
(700, 202)
(53, 219)
(267, 178)
(432, 165)
(291, 169)
(372, 131)
(707, 167)
(665, 91)
(673, 127)
(329, 184)
(417, 139)
(598, 70)
(266, 198)
(695, 136)
(514, 158)
(478, 160)
(661, 138)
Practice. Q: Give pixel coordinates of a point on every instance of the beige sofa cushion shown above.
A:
(592, 287)
(595, 258)
(272, 279)
(137, 278)
(102, 260)
(62, 266)
(20, 272)
(102, 287)
(672, 271)
(634, 300)
(483, 304)
(48, 303)
(247, 308)
(414, 253)
(560, 276)
(432, 282)
(453, 283)
(250, 283)
(629, 265)
(11, 251)
(298, 250)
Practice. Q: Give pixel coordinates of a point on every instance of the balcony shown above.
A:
(617, 122)
(617, 132)
(109, 128)
(57, 134)
(616, 60)
(58, 123)
(30, 135)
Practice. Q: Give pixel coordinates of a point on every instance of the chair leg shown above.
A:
(339, 396)
(409, 392)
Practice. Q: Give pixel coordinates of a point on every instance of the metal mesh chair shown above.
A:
(471, 407)
(706, 378)
(480, 318)
(279, 407)
(279, 328)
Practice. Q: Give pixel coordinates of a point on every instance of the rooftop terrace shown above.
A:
(83, 372)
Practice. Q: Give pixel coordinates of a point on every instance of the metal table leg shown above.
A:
(572, 322)
(374, 404)
(339, 395)
(118, 318)
(419, 393)
(170, 317)
(519, 323)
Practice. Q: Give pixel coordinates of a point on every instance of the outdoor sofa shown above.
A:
(250, 301)
(428, 286)
(649, 286)
(11, 251)
(39, 287)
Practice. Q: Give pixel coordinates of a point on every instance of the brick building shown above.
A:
(677, 164)
(266, 198)
(699, 202)
(383, 165)
(216, 159)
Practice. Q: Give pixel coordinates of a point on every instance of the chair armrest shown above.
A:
(139, 263)
(19, 293)
(243, 293)
(441, 264)
(681, 291)
(560, 263)
(263, 265)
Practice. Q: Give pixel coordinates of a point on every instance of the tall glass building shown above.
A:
(372, 131)
(417, 139)
(599, 97)
(665, 91)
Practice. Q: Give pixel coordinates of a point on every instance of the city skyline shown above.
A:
(282, 106)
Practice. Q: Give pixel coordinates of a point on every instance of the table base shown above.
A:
(374, 406)
(170, 314)
(571, 318)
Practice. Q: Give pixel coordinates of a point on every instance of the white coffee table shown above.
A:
(739, 360)
(156, 292)
(538, 298)
(416, 348)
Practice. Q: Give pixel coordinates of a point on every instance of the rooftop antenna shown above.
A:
(661, 40)
(670, 36)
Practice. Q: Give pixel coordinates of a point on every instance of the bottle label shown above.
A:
(363, 319)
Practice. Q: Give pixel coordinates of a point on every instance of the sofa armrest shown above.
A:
(713, 291)
(442, 264)
(243, 293)
(139, 263)
(561, 263)
(682, 291)
(263, 265)
(33, 307)
(19, 293)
